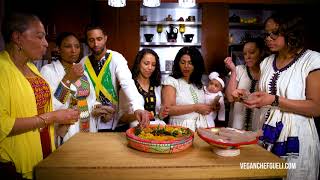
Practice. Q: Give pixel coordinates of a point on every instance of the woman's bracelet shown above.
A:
(44, 120)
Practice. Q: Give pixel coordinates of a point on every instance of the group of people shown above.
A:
(98, 93)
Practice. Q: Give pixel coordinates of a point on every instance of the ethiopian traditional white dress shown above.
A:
(187, 94)
(291, 136)
(240, 116)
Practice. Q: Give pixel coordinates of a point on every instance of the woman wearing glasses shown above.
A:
(289, 92)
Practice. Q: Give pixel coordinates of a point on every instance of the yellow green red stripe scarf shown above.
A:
(103, 82)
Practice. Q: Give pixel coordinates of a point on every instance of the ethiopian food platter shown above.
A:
(227, 141)
(160, 139)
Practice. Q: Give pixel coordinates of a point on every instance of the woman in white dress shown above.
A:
(289, 85)
(183, 90)
(245, 77)
(147, 77)
(71, 88)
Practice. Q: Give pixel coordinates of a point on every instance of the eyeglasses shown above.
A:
(272, 35)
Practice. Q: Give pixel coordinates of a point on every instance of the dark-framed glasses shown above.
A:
(272, 35)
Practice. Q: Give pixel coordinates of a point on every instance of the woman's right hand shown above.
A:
(75, 72)
(64, 116)
(164, 112)
(240, 94)
(203, 109)
(229, 64)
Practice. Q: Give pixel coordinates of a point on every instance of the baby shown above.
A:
(213, 95)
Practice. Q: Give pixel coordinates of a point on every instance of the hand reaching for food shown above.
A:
(143, 117)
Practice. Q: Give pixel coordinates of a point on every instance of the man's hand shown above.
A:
(106, 112)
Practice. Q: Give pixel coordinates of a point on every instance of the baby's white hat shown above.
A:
(215, 75)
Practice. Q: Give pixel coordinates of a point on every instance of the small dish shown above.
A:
(148, 37)
(188, 38)
(224, 146)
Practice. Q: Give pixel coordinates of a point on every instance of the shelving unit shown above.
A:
(239, 29)
(153, 17)
(169, 44)
(258, 26)
(155, 23)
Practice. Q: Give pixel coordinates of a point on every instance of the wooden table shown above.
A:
(107, 156)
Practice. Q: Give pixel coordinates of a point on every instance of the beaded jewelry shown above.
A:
(83, 91)
(62, 93)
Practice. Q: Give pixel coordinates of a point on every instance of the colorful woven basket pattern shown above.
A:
(154, 146)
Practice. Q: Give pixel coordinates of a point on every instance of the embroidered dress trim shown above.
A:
(271, 134)
(42, 95)
(248, 115)
(149, 98)
(194, 95)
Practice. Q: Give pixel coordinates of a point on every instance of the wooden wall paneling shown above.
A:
(215, 30)
(71, 15)
(1, 17)
(61, 16)
(122, 27)
(107, 17)
(129, 31)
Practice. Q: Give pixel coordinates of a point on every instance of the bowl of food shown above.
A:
(188, 38)
(160, 139)
(227, 141)
(148, 37)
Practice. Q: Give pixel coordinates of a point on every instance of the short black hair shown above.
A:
(63, 35)
(197, 62)
(155, 79)
(92, 26)
(16, 22)
(260, 44)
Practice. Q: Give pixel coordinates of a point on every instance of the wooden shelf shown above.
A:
(246, 25)
(154, 23)
(166, 72)
(168, 44)
(235, 44)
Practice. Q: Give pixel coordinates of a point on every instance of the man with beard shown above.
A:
(108, 71)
